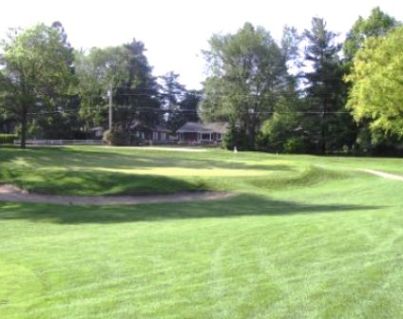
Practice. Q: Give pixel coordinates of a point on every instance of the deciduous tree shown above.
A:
(377, 83)
(378, 24)
(248, 71)
(126, 72)
(37, 71)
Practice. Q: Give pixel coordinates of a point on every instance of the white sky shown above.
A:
(175, 31)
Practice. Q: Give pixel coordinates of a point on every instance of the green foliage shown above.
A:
(377, 84)
(378, 24)
(280, 132)
(249, 85)
(125, 71)
(326, 91)
(115, 137)
(8, 138)
(294, 145)
(98, 71)
(137, 100)
(172, 90)
(181, 105)
(230, 139)
(289, 122)
(37, 72)
(248, 72)
(186, 111)
(235, 138)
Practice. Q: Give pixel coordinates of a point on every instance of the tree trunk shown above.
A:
(252, 136)
(322, 135)
(251, 130)
(323, 125)
(323, 140)
(23, 127)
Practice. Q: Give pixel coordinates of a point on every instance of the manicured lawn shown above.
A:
(307, 237)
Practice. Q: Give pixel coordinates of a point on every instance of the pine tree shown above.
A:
(325, 88)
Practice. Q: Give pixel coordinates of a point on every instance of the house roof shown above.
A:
(218, 127)
(157, 128)
(196, 127)
(160, 128)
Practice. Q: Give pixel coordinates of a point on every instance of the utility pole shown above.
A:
(110, 107)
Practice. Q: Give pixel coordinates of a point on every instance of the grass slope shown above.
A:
(308, 237)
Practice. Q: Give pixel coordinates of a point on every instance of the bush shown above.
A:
(282, 133)
(115, 137)
(235, 138)
(8, 138)
(137, 141)
(294, 145)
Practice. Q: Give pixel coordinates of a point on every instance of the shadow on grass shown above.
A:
(98, 183)
(67, 157)
(242, 205)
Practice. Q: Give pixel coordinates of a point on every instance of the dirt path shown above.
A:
(383, 174)
(11, 193)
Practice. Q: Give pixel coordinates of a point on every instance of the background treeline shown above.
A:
(49, 90)
(308, 93)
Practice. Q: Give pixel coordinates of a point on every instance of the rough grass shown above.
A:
(308, 237)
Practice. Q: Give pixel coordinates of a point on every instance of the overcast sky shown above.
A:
(175, 31)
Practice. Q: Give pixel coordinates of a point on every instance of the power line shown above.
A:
(190, 112)
(201, 95)
(149, 109)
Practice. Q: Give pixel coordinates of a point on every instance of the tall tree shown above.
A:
(288, 130)
(172, 90)
(378, 24)
(37, 71)
(377, 83)
(189, 106)
(290, 47)
(248, 71)
(126, 72)
(186, 111)
(99, 71)
(137, 98)
(172, 94)
(325, 89)
(180, 104)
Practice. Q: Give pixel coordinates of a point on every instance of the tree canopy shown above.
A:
(378, 24)
(37, 71)
(325, 90)
(123, 70)
(248, 71)
(377, 83)
(284, 96)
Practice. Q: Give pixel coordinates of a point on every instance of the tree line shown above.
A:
(308, 93)
(49, 90)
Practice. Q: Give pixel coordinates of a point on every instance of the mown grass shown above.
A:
(307, 237)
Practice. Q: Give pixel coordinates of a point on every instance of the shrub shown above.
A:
(7, 138)
(294, 145)
(137, 141)
(235, 138)
(283, 133)
(115, 137)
